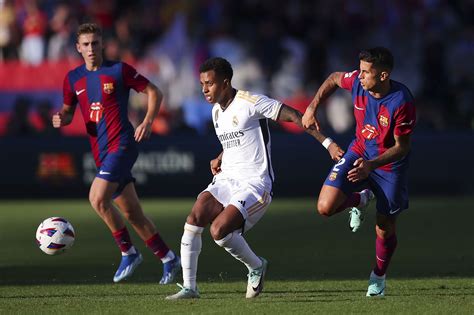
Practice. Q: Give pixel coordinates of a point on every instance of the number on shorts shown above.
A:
(341, 161)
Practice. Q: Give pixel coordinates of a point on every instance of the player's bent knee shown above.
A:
(95, 202)
(218, 231)
(99, 204)
(196, 219)
(201, 215)
(325, 208)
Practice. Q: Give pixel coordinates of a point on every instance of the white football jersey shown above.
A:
(242, 129)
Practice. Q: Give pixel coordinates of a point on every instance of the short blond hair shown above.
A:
(88, 28)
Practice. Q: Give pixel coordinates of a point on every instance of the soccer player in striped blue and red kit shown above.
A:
(102, 88)
(377, 157)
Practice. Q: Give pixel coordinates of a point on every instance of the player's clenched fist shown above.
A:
(57, 120)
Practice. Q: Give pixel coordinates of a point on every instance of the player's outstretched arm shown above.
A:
(288, 113)
(362, 167)
(325, 90)
(64, 116)
(155, 97)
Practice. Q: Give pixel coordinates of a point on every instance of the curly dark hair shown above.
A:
(221, 67)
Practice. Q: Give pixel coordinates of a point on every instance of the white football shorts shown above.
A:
(251, 198)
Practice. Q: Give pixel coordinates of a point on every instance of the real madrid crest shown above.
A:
(383, 121)
(216, 116)
(108, 88)
(235, 121)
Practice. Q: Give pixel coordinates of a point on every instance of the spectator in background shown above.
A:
(197, 113)
(128, 46)
(8, 31)
(103, 12)
(60, 24)
(112, 49)
(175, 36)
(339, 111)
(34, 30)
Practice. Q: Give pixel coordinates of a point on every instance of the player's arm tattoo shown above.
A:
(288, 113)
(326, 89)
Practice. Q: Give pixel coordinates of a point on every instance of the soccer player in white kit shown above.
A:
(241, 189)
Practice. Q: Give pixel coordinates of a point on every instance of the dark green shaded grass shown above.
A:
(316, 263)
(414, 296)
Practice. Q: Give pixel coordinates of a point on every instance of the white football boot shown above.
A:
(184, 293)
(255, 280)
(357, 214)
(376, 285)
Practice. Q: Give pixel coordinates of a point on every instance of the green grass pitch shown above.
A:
(316, 265)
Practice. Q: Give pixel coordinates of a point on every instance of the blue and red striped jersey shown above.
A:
(379, 120)
(103, 99)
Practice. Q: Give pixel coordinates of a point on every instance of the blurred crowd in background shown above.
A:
(284, 49)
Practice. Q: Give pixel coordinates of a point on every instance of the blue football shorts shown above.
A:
(116, 167)
(390, 188)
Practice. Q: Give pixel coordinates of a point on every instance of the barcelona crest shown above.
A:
(383, 121)
(333, 176)
(108, 88)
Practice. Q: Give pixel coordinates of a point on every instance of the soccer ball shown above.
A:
(55, 235)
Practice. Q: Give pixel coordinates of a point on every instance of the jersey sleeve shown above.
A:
(405, 119)
(69, 96)
(132, 79)
(266, 107)
(348, 79)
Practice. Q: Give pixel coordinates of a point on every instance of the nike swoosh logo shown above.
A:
(394, 211)
(104, 173)
(359, 108)
(255, 289)
(80, 92)
(406, 123)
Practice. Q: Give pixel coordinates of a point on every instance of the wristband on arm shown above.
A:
(327, 142)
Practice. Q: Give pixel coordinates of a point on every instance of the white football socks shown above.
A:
(235, 244)
(191, 245)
